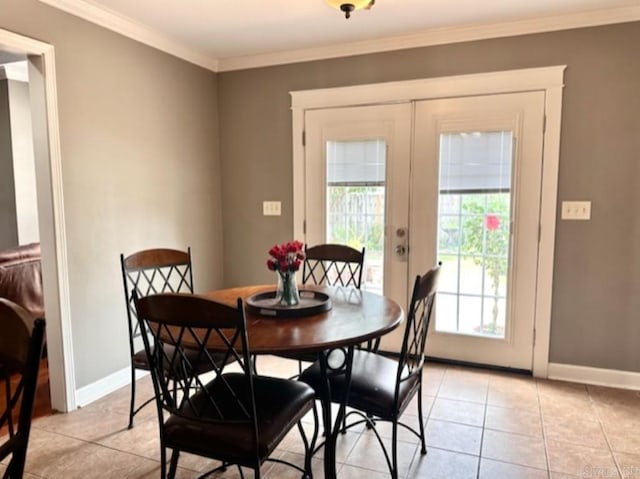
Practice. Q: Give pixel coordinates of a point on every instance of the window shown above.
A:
(474, 214)
(356, 202)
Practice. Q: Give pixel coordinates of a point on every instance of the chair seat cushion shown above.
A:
(373, 382)
(225, 433)
(140, 360)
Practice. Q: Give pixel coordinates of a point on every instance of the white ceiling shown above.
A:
(229, 34)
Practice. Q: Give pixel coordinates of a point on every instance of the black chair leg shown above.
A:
(394, 450)
(9, 403)
(309, 447)
(133, 396)
(16, 466)
(423, 445)
(175, 454)
(163, 462)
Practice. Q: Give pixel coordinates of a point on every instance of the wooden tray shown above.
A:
(311, 302)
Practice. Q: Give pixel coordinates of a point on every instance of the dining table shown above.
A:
(351, 317)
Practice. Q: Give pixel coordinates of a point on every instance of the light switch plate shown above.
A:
(271, 208)
(576, 210)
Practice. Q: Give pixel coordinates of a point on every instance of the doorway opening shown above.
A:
(40, 61)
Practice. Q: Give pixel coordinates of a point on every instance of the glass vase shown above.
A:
(287, 290)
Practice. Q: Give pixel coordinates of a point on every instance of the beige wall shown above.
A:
(140, 168)
(8, 223)
(24, 168)
(596, 305)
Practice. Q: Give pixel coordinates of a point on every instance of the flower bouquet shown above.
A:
(285, 259)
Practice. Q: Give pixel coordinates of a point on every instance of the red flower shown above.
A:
(492, 222)
(286, 257)
(271, 264)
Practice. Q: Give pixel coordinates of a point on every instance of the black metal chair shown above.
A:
(148, 272)
(21, 345)
(236, 417)
(381, 387)
(331, 265)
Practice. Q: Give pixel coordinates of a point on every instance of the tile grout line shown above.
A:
(425, 420)
(542, 427)
(106, 446)
(604, 433)
(484, 423)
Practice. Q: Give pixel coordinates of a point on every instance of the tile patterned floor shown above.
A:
(480, 425)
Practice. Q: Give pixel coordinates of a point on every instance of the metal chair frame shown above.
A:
(23, 360)
(333, 264)
(150, 271)
(409, 371)
(188, 322)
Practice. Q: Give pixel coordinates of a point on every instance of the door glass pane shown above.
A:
(356, 202)
(474, 212)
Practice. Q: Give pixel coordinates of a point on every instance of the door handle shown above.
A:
(401, 247)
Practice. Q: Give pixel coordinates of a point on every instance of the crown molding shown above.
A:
(437, 36)
(136, 31)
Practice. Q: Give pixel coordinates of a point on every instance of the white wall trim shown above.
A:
(547, 242)
(16, 71)
(547, 79)
(299, 176)
(104, 386)
(510, 81)
(51, 216)
(436, 36)
(136, 31)
(596, 376)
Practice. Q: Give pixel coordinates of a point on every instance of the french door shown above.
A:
(450, 180)
(475, 203)
(356, 182)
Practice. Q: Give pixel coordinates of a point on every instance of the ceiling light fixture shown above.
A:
(351, 5)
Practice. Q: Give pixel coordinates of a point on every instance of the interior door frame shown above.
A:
(548, 79)
(48, 165)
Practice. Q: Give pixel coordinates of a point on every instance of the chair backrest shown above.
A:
(333, 265)
(153, 271)
(412, 354)
(187, 325)
(21, 344)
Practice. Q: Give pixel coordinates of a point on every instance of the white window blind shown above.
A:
(359, 162)
(477, 161)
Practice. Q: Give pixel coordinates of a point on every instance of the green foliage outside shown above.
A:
(348, 224)
(479, 230)
(485, 238)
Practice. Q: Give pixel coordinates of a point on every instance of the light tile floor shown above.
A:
(480, 425)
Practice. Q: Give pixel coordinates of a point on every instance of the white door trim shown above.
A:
(547, 79)
(44, 102)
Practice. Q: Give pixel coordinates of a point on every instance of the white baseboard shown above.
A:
(94, 391)
(561, 372)
(595, 376)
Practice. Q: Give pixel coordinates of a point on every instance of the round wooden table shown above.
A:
(355, 317)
